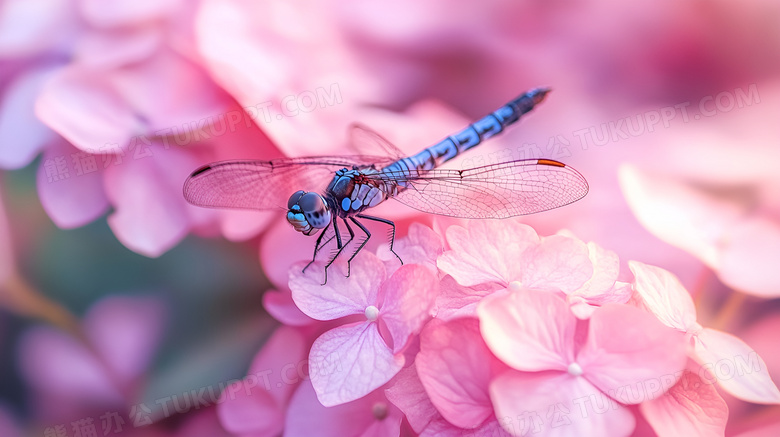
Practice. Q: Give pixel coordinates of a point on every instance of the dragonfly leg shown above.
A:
(351, 237)
(338, 244)
(392, 232)
(317, 247)
(362, 243)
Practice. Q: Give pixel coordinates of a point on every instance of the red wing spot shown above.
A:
(551, 162)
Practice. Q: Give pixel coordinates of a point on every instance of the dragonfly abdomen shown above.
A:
(473, 135)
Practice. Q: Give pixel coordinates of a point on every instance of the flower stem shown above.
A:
(728, 310)
(22, 298)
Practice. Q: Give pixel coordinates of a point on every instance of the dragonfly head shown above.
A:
(307, 212)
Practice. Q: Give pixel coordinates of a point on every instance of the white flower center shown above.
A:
(515, 286)
(372, 313)
(575, 369)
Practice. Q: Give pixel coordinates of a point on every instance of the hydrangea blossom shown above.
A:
(492, 330)
(110, 96)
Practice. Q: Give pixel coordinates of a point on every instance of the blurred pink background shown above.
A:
(669, 109)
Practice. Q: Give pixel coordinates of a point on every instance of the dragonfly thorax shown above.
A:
(308, 212)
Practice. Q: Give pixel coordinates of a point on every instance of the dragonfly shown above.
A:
(318, 192)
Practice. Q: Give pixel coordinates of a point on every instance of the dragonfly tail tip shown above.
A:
(540, 93)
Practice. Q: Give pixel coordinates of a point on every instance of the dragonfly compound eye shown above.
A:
(294, 198)
(315, 210)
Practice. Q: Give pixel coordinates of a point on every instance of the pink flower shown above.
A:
(257, 405)
(371, 415)
(69, 378)
(380, 316)
(489, 255)
(724, 358)
(625, 357)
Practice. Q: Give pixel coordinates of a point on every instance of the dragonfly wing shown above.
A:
(494, 191)
(262, 184)
(365, 140)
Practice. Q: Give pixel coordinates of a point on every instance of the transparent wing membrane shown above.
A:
(494, 191)
(263, 184)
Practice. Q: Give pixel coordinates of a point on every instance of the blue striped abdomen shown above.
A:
(469, 137)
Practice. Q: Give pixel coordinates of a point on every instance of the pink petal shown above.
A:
(556, 404)
(22, 35)
(241, 225)
(606, 267)
(108, 50)
(691, 407)
(238, 39)
(281, 307)
(558, 263)
(257, 404)
(340, 296)
(307, 417)
(348, 362)
(678, 214)
(408, 394)
(456, 366)
(770, 430)
(528, 329)
(55, 363)
(749, 257)
(22, 135)
(125, 12)
(421, 245)
(408, 298)
(277, 264)
(664, 295)
(443, 428)
(87, 111)
(202, 424)
(487, 251)
(584, 306)
(151, 215)
(281, 364)
(736, 367)
(126, 332)
(255, 415)
(455, 300)
(171, 91)
(69, 198)
(630, 355)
